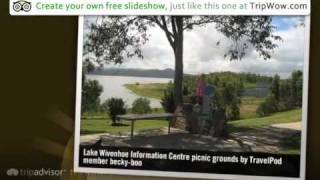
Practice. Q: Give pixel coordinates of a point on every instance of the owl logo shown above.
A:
(22, 5)
(12, 172)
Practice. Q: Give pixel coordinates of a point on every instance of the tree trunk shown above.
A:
(178, 54)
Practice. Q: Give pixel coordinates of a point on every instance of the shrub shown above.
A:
(234, 111)
(262, 110)
(270, 105)
(167, 101)
(114, 107)
(141, 106)
(282, 106)
(227, 98)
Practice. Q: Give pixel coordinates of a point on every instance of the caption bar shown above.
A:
(263, 164)
(157, 7)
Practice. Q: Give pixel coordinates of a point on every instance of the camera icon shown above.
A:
(22, 5)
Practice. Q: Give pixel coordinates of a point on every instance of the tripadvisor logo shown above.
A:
(12, 172)
(22, 5)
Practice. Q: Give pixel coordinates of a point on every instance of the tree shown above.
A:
(275, 87)
(227, 98)
(296, 87)
(114, 107)
(91, 89)
(113, 38)
(141, 106)
(284, 95)
(167, 100)
(270, 105)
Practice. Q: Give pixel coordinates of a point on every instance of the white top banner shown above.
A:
(159, 7)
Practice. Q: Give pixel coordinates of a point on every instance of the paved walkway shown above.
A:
(91, 138)
(293, 126)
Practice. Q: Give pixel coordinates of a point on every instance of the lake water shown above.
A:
(113, 86)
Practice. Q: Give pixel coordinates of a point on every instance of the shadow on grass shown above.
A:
(173, 141)
(232, 129)
(267, 139)
(286, 141)
(291, 143)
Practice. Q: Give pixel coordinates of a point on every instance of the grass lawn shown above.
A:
(249, 85)
(249, 106)
(152, 90)
(102, 124)
(276, 118)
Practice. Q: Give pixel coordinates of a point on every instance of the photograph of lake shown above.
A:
(114, 86)
(231, 85)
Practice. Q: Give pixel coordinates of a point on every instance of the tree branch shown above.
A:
(199, 22)
(164, 27)
(173, 24)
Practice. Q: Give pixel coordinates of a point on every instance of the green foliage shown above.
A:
(228, 89)
(270, 105)
(141, 106)
(285, 95)
(87, 66)
(91, 90)
(275, 87)
(244, 80)
(227, 97)
(114, 107)
(113, 39)
(296, 87)
(292, 90)
(116, 37)
(167, 101)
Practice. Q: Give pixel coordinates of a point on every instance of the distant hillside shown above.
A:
(166, 73)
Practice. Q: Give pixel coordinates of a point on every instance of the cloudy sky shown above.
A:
(202, 55)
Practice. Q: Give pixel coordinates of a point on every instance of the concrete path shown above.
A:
(293, 126)
(91, 138)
